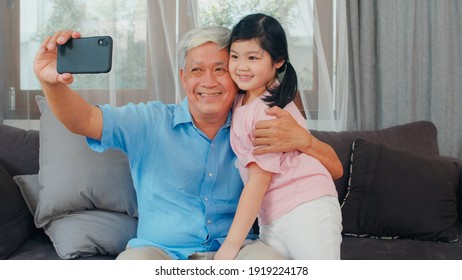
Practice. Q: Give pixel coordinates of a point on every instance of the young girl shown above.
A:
(292, 193)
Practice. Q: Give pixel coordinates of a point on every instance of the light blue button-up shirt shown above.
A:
(187, 185)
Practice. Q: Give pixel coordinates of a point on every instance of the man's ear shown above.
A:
(182, 78)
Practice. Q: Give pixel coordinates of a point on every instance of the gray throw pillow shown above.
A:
(90, 232)
(75, 178)
(30, 190)
(84, 233)
(84, 201)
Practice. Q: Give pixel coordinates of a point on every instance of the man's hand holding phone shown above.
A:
(66, 53)
(45, 61)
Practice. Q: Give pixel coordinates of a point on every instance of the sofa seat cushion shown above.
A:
(357, 248)
(396, 194)
(39, 247)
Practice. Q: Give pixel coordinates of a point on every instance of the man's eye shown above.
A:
(195, 69)
(221, 71)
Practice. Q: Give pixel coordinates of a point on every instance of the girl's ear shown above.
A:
(279, 63)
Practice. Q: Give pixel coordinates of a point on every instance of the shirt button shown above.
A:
(210, 174)
(206, 198)
(209, 221)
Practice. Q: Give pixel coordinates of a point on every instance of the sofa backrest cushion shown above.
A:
(16, 223)
(418, 137)
(19, 150)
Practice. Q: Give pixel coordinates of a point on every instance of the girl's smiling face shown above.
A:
(251, 67)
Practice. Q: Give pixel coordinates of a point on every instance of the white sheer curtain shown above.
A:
(169, 20)
(342, 67)
(332, 91)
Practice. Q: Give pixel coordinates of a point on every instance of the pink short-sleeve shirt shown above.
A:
(297, 177)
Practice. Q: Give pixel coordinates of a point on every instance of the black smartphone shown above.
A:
(87, 55)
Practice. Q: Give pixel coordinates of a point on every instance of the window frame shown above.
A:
(26, 106)
(10, 70)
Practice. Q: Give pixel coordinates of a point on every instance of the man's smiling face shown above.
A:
(207, 82)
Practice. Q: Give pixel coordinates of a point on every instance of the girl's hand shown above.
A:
(46, 58)
(226, 252)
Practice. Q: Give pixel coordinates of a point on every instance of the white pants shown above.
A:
(311, 231)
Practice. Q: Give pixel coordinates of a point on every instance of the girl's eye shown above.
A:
(253, 58)
(233, 56)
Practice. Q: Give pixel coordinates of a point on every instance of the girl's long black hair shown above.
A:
(271, 36)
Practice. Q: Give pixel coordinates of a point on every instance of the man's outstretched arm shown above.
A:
(68, 106)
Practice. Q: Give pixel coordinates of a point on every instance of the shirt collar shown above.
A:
(182, 115)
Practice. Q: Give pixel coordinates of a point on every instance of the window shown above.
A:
(144, 44)
(125, 20)
(34, 20)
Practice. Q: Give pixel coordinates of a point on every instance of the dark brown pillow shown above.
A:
(16, 222)
(396, 194)
(418, 137)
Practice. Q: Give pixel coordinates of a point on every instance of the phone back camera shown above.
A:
(103, 42)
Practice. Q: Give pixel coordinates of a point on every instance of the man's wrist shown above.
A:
(306, 144)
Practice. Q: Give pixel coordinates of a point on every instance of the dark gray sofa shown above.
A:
(419, 138)
(19, 154)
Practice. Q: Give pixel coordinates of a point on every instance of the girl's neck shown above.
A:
(250, 95)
